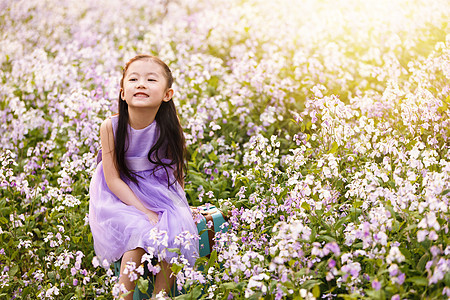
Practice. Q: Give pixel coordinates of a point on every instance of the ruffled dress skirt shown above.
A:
(117, 227)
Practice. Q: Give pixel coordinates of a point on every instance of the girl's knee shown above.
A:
(138, 249)
(134, 255)
(134, 252)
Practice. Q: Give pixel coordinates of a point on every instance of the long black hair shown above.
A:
(171, 137)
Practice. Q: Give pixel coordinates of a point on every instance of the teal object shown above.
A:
(203, 243)
(206, 241)
(206, 244)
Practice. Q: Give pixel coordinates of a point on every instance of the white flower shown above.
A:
(52, 291)
(421, 235)
(430, 221)
(95, 262)
(395, 255)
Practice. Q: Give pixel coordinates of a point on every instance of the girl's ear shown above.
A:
(168, 95)
(122, 95)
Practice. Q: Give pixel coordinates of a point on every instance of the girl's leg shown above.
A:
(134, 255)
(163, 279)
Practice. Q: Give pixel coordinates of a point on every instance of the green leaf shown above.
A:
(255, 296)
(405, 252)
(300, 273)
(341, 221)
(306, 206)
(357, 204)
(316, 291)
(358, 245)
(212, 260)
(447, 279)
(308, 125)
(229, 285)
(26, 291)
(418, 281)
(443, 108)
(197, 292)
(422, 262)
(37, 232)
(126, 294)
(326, 238)
(334, 148)
(310, 283)
(242, 179)
(445, 192)
(176, 268)
(298, 297)
(5, 210)
(391, 210)
(13, 270)
(292, 262)
(411, 227)
(142, 285)
(391, 183)
(212, 156)
(374, 294)
(174, 250)
(241, 285)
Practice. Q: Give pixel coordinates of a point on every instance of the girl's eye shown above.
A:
(151, 80)
(133, 79)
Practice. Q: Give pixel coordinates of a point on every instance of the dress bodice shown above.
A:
(138, 144)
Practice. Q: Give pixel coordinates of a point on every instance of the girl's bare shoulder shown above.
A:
(106, 128)
(106, 124)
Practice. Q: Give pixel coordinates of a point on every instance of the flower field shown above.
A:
(321, 127)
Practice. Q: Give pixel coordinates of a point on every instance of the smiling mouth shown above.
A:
(140, 95)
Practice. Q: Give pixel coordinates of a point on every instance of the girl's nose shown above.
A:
(140, 84)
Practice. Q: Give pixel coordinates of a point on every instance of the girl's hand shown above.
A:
(152, 217)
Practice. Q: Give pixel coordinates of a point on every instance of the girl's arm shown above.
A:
(112, 177)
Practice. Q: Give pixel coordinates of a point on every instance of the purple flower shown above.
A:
(376, 285)
(435, 251)
(446, 291)
(393, 270)
(428, 265)
(353, 268)
(332, 263)
(333, 247)
(279, 295)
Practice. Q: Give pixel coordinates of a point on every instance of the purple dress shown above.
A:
(117, 227)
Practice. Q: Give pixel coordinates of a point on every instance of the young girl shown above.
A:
(137, 188)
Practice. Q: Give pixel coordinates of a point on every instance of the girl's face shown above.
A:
(144, 85)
